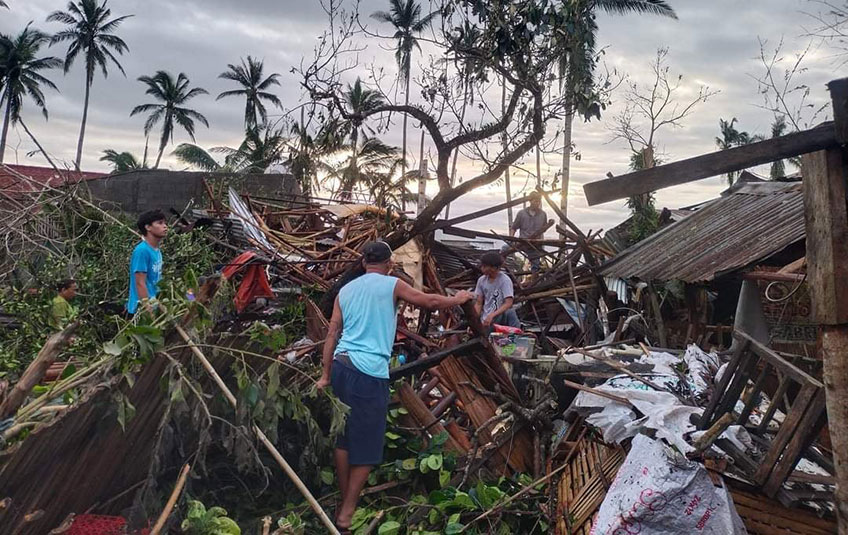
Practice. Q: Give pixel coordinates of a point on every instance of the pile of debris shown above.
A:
(628, 437)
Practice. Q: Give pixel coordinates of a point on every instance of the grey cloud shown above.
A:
(713, 41)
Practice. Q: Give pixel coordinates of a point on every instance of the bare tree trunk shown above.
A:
(567, 127)
(538, 166)
(159, 156)
(78, 160)
(566, 160)
(403, 162)
(37, 144)
(422, 176)
(6, 119)
(36, 370)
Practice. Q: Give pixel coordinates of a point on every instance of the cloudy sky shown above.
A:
(713, 43)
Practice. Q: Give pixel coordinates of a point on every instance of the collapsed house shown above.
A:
(630, 419)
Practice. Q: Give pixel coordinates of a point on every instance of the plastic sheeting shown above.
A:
(659, 492)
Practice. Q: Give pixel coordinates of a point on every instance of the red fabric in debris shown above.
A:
(253, 285)
(97, 525)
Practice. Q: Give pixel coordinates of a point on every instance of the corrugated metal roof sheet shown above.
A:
(728, 233)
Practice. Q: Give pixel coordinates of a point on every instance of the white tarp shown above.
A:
(659, 492)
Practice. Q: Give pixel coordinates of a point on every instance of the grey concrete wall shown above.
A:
(137, 191)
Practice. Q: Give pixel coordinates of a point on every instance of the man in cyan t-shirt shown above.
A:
(356, 357)
(146, 261)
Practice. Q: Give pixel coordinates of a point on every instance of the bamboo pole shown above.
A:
(172, 501)
(313, 503)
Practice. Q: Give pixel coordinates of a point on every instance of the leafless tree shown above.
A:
(831, 25)
(783, 89)
(650, 109)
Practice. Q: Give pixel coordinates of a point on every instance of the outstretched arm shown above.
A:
(429, 301)
(334, 331)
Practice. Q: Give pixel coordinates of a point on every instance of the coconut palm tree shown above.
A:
(172, 95)
(731, 137)
(90, 32)
(578, 58)
(122, 161)
(405, 16)
(307, 151)
(254, 89)
(359, 100)
(257, 152)
(20, 73)
(369, 163)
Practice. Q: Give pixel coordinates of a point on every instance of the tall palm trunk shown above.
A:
(159, 156)
(566, 150)
(403, 162)
(352, 171)
(78, 160)
(6, 119)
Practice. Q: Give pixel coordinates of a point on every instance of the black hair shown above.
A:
(492, 258)
(147, 218)
(65, 284)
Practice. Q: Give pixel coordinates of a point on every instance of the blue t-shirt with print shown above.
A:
(145, 259)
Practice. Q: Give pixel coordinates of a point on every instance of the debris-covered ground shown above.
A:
(203, 417)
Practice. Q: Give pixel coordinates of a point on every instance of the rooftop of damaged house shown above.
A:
(343, 323)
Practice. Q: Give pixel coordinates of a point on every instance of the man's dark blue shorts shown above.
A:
(368, 399)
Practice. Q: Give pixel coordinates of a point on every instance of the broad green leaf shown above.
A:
(444, 477)
(327, 476)
(409, 464)
(453, 529)
(434, 461)
(389, 528)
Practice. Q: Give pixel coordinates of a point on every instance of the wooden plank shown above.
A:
(787, 429)
(775, 402)
(474, 215)
(422, 416)
(713, 164)
(825, 174)
(786, 367)
(721, 387)
(839, 97)
(796, 446)
(754, 395)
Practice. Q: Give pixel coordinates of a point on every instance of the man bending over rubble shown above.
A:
(494, 293)
(146, 261)
(357, 365)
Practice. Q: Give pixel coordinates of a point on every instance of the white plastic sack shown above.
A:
(702, 368)
(659, 492)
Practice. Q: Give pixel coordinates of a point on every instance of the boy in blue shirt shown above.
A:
(146, 261)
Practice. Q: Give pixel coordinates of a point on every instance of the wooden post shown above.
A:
(825, 173)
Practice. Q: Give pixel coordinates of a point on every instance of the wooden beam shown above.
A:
(474, 215)
(827, 234)
(432, 360)
(422, 416)
(825, 175)
(713, 164)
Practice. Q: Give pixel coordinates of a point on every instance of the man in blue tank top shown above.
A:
(356, 363)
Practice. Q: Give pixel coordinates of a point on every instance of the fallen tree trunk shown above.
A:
(36, 370)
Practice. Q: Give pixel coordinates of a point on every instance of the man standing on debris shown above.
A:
(146, 262)
(61, 310)
(356, 363)
(494, 293)
(528, 222)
